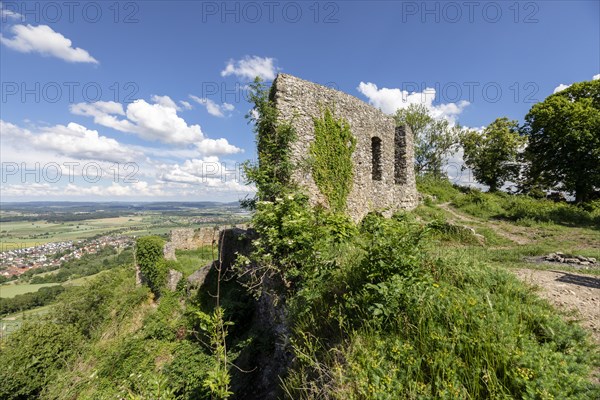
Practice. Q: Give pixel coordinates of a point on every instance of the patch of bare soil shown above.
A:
(573, 292)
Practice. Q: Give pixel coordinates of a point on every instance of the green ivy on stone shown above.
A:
(331, 154)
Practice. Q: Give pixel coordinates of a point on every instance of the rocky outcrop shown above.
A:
(268, 316)
(559, 257)
(232, 242)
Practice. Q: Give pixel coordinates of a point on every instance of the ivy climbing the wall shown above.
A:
(331, 154)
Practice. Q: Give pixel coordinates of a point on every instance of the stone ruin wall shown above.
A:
(384, 178)
(189, 239)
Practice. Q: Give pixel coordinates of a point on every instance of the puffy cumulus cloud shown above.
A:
(560, 87)
(217, 110)
(73, 140)
(390, 100)
(596, 77)
(208, 172)
(250, 67)
(44, 40)
(156, 122)
(449, 111)
(104, 113)
(153, 122)
(217, 146)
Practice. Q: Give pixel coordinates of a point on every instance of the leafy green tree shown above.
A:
(492, 154)
(564, 140)
(435, 139)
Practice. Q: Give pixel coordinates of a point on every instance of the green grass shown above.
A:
(11, 290)
(513, 227)
(192, 260)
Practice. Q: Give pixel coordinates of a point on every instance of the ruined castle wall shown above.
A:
(384, 184)
(189, 239)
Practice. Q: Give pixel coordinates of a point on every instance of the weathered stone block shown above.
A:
(173, 278)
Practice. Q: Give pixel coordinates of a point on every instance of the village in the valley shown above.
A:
(18, 261)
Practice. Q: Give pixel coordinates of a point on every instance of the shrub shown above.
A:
(442, 189)
(32, 357)
(392, 322)
(149, 256)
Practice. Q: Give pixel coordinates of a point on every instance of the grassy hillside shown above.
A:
(417, 306)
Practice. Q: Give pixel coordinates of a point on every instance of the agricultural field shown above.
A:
(10, 290)
(22, 234)
(36, 225)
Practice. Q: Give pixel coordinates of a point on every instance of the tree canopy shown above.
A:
(492, 154)
(435, 139)
(564, 140)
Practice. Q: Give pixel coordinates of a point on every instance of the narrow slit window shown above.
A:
(377, 167)
(400, 156)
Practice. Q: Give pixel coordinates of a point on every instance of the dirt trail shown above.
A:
(569, 291)
(498, 227)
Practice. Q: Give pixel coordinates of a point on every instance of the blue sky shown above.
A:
(146, 100)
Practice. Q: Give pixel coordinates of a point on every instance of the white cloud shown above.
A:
(560, 87)
(208, 172)
(165, 101)
(250, 67)
(104, 113)
(139, 188)
(153, 122)
(217, 146)
(73, 140)
(6, 14)
(42, 39)
(185, 104)
(212, 107)
(30, 190)
(390, 100)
